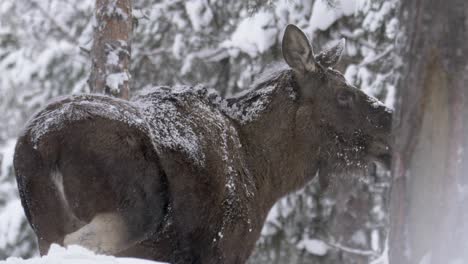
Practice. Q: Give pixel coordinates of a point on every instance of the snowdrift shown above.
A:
(76, 255)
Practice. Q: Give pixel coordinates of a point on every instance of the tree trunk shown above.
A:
(429, 207)
(111, 48)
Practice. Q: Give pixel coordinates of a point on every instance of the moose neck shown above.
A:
(278, 156)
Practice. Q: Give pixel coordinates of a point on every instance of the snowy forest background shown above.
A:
(44, 53)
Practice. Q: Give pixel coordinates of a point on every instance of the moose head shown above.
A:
(181, 175)
(353, 127)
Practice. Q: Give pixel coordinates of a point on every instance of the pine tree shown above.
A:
(429, 201)
(111, 53)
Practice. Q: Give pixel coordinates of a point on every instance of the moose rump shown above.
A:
(127, 177)
(79, 165)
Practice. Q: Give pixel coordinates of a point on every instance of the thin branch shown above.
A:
(357, 38)
(353, 250)
(378, 56)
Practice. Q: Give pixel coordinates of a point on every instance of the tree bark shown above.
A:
(429, 208)
(111, 48)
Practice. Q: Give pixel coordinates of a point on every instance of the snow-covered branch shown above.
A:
(352, 250)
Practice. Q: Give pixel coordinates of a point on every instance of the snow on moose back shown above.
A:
(181, 175)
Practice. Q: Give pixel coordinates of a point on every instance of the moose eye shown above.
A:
(345, 98)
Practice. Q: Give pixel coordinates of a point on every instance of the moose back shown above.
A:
(181, 175)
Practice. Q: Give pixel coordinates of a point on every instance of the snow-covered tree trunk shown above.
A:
(111, 48)
(429, 201)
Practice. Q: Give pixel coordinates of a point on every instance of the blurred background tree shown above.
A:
(429, 201)
(44, 53)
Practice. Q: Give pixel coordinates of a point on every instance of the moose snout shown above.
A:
(381, 119)
(386, 119)
(382, 142)
(382, 152)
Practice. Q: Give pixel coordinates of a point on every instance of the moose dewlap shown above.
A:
(183, 176)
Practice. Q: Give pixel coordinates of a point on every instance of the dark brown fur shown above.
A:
(180, 209)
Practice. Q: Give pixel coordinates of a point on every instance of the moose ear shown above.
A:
(297, 51)
(331, 56)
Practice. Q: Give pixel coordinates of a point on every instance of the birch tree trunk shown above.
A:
(111, 48)
(429, 201)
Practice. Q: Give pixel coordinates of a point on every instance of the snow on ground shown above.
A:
(75, 255)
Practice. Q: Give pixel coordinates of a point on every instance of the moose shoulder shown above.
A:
(181, 175)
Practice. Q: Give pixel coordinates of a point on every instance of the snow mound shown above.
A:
(76, 255)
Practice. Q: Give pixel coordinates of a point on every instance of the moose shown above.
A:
(181, 175)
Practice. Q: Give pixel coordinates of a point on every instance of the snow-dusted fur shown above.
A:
(179, 174)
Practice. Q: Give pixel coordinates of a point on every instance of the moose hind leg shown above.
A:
(120, 193)
(42, 196)
(105, 234)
